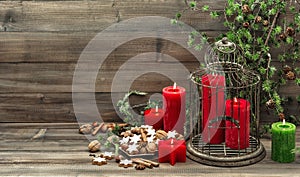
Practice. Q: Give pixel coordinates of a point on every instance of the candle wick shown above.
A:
(283, 121)
(174, 86)
(156, 108)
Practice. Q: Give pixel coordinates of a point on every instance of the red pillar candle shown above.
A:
(171, 151)
(238, 109)
(213, 105)
(174, 107)
(154, 117)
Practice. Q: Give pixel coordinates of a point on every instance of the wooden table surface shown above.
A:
(63, 152)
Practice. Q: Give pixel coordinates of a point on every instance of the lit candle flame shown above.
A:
(283, 121)
(235, 100)
(156, 108)
(174, 86)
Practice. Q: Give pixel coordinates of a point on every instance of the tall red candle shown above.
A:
(171, 151)
(213, 105)
(238, 109)
(154, 117)
(174, 107)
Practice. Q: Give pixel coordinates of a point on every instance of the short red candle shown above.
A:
(154, 118)
(171, 151)
(174, 107)
(213, 106)
(238, 109)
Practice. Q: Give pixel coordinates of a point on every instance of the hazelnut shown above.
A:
(118, 158)
(95, 124)
(290, 31)
(265, 22)
(94, 146)
(124, 146)
(85, 129)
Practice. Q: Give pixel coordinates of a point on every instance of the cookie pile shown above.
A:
(144, 139)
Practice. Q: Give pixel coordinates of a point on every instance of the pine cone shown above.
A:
(281, 116)
(246, 24)
(282, 37)
(290, 31)
(287, 69)
(290, 75)
(246, 9)
(265, 22)
(258, 19)
(270, 104)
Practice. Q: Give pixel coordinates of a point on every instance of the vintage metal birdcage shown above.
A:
(224, 118)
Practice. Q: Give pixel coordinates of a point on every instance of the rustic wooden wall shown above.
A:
(41, 41)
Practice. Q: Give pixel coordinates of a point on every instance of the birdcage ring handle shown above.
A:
(225, 46)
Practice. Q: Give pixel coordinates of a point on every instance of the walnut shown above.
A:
(143, 150)
(151, 147)
(85, 129)
(94, 146)
(140, 167)
(290, 75)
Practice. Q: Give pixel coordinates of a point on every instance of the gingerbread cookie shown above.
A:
(107, 155)
(126, 163)
(99, 161)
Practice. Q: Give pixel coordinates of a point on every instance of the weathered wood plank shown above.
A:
(57, 107)
(92, 15)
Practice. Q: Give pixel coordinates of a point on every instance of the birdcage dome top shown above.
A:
(224, 51)
(225, 62)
